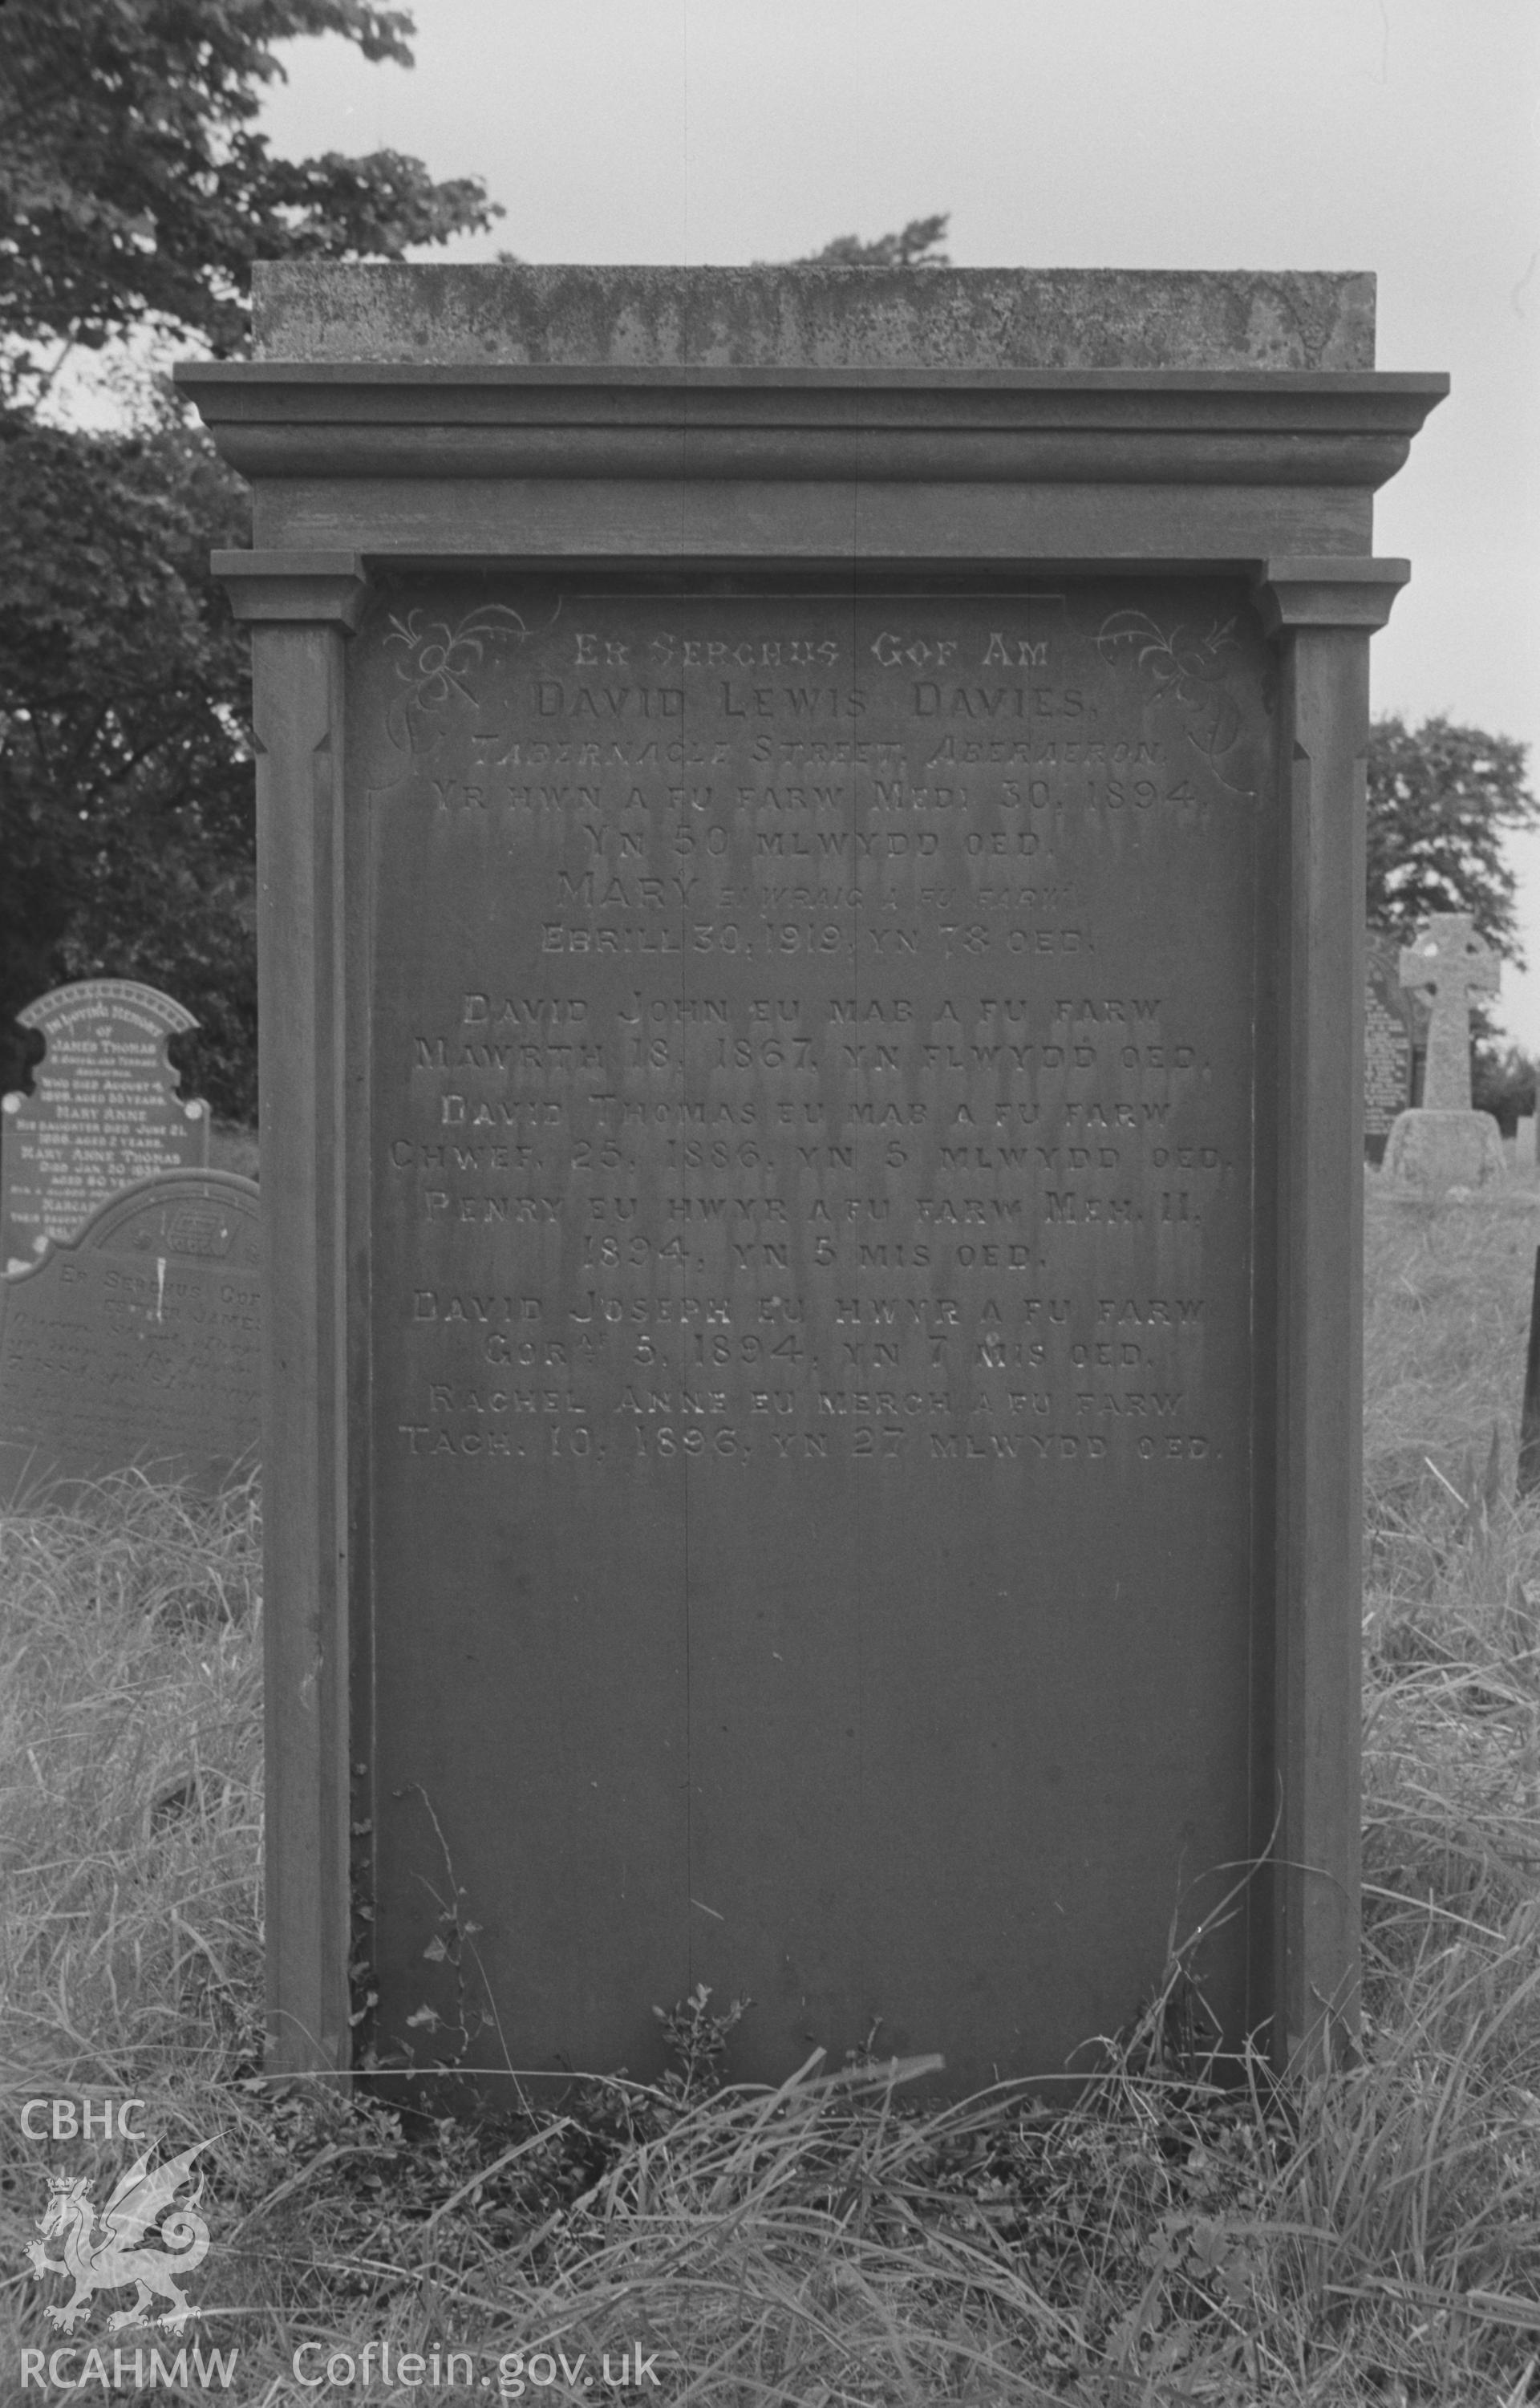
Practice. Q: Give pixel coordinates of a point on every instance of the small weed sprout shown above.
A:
(697, 2042)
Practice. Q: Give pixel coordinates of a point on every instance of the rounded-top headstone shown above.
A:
(104, 1113)
(138, 1342)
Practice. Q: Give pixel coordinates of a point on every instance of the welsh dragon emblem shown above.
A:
(114, 2260)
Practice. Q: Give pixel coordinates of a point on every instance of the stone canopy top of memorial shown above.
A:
(853, 378)
(766, 317)
(746, 418)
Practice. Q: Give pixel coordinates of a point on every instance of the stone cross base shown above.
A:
(1442, 1150)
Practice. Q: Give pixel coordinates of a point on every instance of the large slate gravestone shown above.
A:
(138, 1342)
(104, 1112)
(812, 1143)
(1388, 1042)
(815, 1178)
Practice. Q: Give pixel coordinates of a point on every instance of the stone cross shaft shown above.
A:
(1450, 964)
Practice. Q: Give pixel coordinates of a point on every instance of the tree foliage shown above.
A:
(917, 246)
(126, 794)
(135, 191)
(133, 186)
(1503, 1082)
(1441, 799)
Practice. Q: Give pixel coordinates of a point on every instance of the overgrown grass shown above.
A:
(1372, 2236)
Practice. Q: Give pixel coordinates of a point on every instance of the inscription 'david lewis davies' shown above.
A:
(833, 1043)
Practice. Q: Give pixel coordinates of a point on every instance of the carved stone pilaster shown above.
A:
(1321, 612)
(300, 607)
(1332, 589)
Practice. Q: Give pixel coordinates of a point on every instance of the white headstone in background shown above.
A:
(104, 1112)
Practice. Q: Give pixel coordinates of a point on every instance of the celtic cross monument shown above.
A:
(1444, 1143)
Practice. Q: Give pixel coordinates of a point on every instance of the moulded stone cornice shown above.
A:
(1109, 426)
(294, 588)
(1327, 591)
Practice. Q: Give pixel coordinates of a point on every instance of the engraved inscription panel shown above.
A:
(819, 1047)
(139, 1341)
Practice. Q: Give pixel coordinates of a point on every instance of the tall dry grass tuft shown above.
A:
(129, 1737)
(1370, 2236)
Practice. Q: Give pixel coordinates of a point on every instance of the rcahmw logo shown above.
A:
(141, 2237)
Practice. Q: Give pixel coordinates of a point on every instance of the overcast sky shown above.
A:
(1397, 135)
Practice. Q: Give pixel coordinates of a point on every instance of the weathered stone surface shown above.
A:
(105, 1112)
(1437, 1149)
(838, 1253)
(816, 317)
(138, 1342)
(812, 1277)
(1524, 1143)
(1449, 965)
